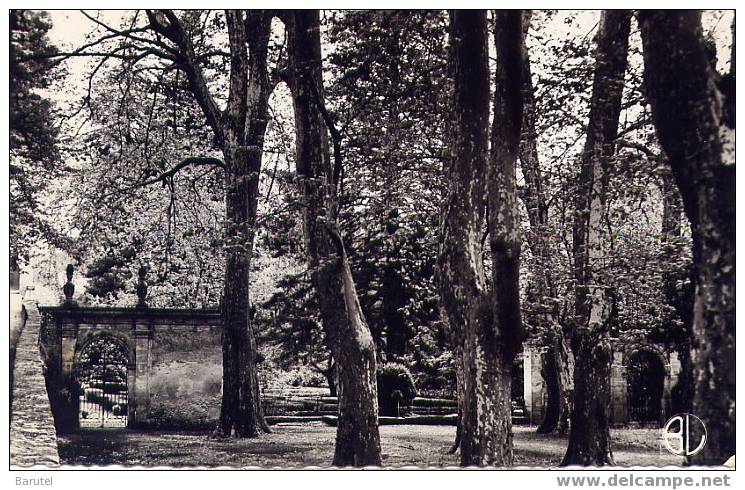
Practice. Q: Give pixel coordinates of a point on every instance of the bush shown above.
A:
(212, 385)
(109, 387)
(171, 418)
(119, 409)
(172, 387)
(396, 389)
(94, 395)
(315, 381)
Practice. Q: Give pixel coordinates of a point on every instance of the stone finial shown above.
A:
(142, 287)
(69, 287)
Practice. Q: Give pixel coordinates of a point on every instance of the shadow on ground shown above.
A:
(300, 445)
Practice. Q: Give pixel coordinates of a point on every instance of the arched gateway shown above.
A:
(642, 376)
(99, 360)
(646, 386)
(101, 372)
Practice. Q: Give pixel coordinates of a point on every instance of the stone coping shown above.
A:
(131, 312)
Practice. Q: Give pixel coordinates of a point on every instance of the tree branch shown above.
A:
(336, 239)
(190, 161)
(335, 135)
(238, 87)
(129, 34)
(166, 23)
(623, 143)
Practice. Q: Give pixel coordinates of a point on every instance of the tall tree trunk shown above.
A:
(557, 359)
(245, 121)
(506, 335)
(690, 117)
(240, 412)
(357, 436)
(462, 282)
(485, 324)
(239, 131)
(589, 434)
(459, 383)
(330, 374)
(393, 293)
(557, 371)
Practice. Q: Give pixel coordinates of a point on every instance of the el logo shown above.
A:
(684, 434)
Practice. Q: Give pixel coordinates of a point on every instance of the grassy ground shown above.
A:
(313, 445)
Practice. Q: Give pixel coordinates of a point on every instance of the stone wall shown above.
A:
(174, 365)
(16, 326)
(33, 439)
(186, 375)
(619, 406)
(535, 389)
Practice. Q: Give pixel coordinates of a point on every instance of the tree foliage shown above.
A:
(34, 155)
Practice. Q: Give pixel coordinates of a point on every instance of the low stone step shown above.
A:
(280, 419)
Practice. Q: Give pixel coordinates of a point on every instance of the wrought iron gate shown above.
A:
(102, 377)
(645, 379)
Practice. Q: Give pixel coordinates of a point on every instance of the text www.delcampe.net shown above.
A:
(631, 480)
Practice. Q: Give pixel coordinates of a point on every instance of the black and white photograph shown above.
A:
(370, 238)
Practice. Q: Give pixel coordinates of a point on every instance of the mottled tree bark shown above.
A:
(462, 281)
(506, 336)
(485, 322)
(245, 121)
(689, 113)
(557, 367)
(557, 362)
(353, 349)
(589, 434)
(459, 379)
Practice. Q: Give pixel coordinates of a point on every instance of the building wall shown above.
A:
(186, 375)
(174, 372)
(533, 384)
(535, 389)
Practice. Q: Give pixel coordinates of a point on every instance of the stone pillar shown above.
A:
(69, 340)
(674, 366)
(131, 388)
(672, 369)
(139, 375)
(69, 388)
(16, 311)
(527, 371)
(619, 413)
(533, 388)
